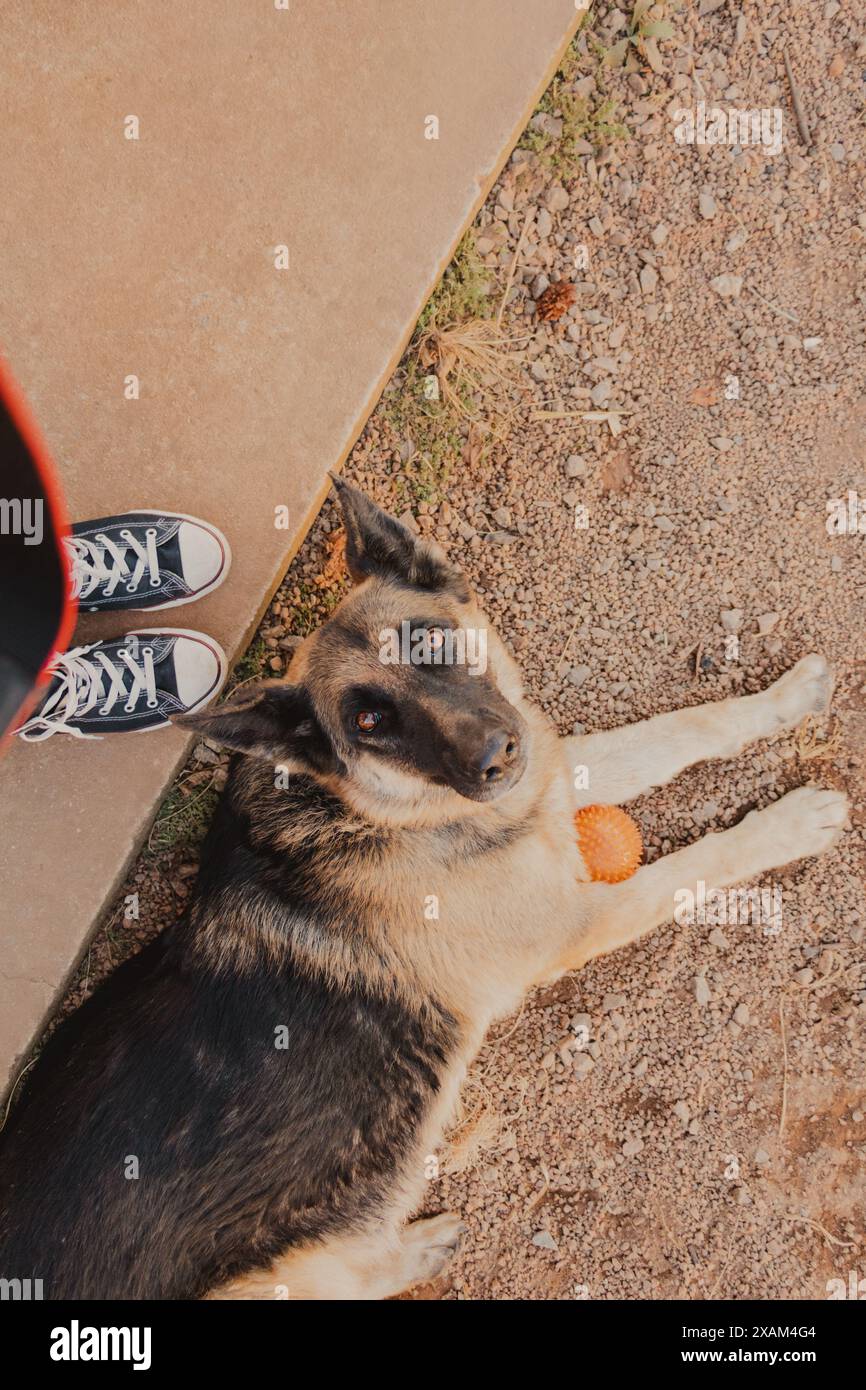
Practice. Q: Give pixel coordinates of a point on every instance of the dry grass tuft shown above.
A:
(476, 368)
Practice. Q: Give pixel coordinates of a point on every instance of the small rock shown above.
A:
(578, 674)
(649, 278)
(663, 523)
(732, 619)
(544, 224)
(727, 285)
(766, 623)
(632, 1147)
(544, 1240)
(717, 938)
(557, 198)
(761, 1156)
(502, 516)
(582, 1064)
(600, 393)
(575, 466)
(741, 1015)
(707, 206)
(659, 234)
(702, 991)
(203, 754)
(722, 443)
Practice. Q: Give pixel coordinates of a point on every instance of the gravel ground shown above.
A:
(709, 1141)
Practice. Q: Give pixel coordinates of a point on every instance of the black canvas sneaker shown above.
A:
(144, 560)
(129, 685)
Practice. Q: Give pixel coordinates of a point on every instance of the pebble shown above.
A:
(544, 1240)
(575, 466)
(732, 619)
(649, 278)
(718, 938)
(766, 623)
(659, 234)
(578, 674)
(707, 206)
(741, 1015)
(702, 991)
(600, 393)
(728, 286)
(557, 198)
(631, 1147)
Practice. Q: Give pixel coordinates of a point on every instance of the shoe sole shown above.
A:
(188, 598)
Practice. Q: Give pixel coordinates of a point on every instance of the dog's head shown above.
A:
(405, 698)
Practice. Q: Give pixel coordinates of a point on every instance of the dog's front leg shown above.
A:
(618, 765)
(805, 822)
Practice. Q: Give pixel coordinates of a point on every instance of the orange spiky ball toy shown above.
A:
(609, 842)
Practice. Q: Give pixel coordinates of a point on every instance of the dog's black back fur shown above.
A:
(243, 1148)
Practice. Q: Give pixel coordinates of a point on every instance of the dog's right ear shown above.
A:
(379, 544)
(274, 721)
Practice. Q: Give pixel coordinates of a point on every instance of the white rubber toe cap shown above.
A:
(204, 556)
(200, 668)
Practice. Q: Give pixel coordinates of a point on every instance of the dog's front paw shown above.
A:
(805, 689)
(805, 822)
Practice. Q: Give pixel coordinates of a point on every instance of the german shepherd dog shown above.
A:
(244, 1109)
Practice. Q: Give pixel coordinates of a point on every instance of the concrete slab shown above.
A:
(258, 126)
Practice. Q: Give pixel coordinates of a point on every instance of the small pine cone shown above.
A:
(556, 300)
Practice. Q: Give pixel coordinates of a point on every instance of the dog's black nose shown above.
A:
(496, 753)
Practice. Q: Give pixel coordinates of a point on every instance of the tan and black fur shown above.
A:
(269, 1172)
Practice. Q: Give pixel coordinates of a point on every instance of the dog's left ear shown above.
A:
(274, 721)
(378, 544)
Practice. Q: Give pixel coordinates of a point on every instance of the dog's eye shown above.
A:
(367, 720)
(435, 638)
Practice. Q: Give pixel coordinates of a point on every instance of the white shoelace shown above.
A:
(98, 561)
(82, 685)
